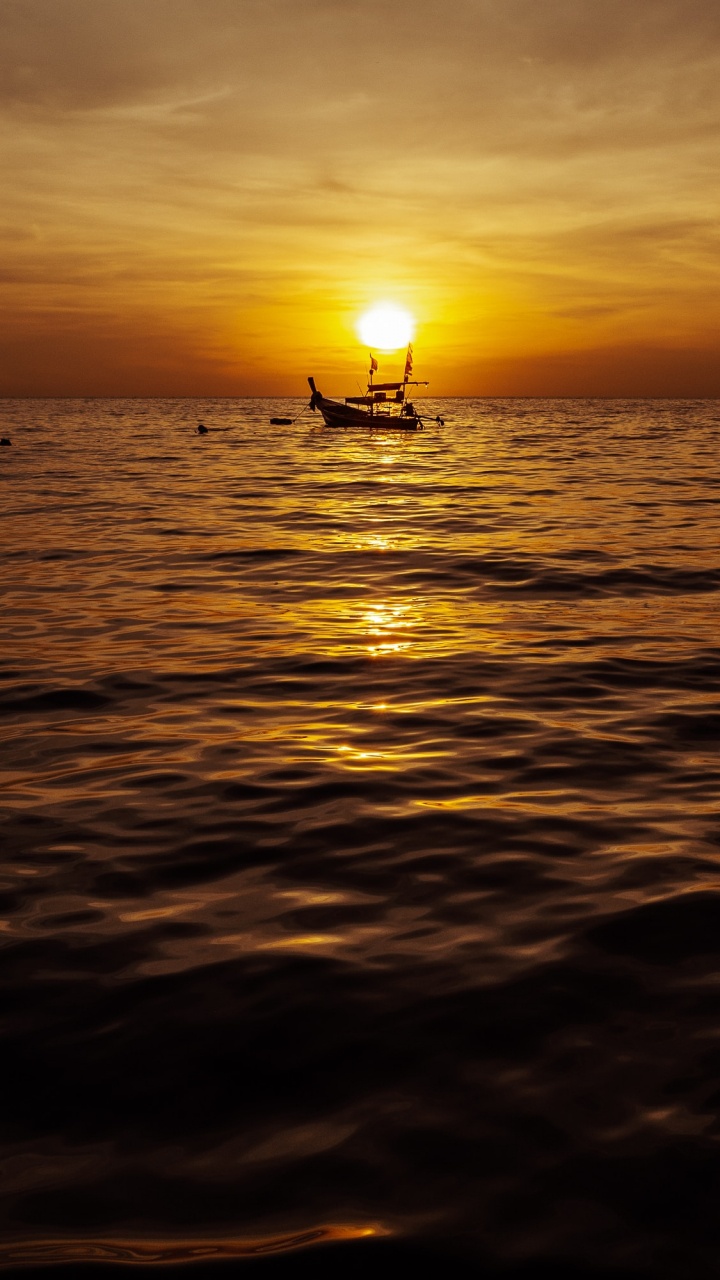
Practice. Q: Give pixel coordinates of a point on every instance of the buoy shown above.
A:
(202, 429)
(5, 440)
(281, 422)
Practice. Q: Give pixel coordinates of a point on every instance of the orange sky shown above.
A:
(201, 196)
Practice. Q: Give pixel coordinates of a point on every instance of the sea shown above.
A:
(361, 840)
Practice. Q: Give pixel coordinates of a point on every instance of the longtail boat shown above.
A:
(384, 407)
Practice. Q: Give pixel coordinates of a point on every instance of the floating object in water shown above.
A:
(281, 422)
(5, 440)
(202, 429)
(385, 406)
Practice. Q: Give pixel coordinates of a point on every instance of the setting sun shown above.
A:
(386, 327)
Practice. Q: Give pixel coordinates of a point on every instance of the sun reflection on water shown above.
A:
(384, 621)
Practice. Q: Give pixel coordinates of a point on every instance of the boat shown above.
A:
(384, 407)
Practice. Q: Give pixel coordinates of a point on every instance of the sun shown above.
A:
(386, 327)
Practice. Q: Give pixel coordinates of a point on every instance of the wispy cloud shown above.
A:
(543, 176)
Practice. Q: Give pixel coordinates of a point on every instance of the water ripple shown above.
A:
(361, 823)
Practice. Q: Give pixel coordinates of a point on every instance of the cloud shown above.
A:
(625, 370)
(254, 164)
(78, 53)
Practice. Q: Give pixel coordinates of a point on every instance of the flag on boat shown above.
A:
(373, 364)
(408, 361)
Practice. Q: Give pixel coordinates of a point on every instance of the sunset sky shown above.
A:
(201, 197)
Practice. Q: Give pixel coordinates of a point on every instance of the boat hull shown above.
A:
(345, 415)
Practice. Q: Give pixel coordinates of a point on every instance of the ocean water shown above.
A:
(361, 838)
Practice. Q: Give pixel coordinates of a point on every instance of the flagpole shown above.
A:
(408, 370)
(373, 367)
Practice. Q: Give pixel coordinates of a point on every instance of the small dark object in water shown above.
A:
(5, 440)
(202, 429)
(281, 422)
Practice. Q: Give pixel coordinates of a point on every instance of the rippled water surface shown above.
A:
(362, 819)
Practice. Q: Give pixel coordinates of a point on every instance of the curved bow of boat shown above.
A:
(316, 396)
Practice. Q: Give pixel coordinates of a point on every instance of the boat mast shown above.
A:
(373, 367)
(408, 371)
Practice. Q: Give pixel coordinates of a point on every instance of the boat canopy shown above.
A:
(386, 386)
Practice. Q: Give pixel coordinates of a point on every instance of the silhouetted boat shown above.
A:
(384, 407)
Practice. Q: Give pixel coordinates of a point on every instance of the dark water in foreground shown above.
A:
(361, 874)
